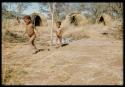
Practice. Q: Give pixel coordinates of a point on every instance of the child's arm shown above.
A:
(60, 31)
(35, 30)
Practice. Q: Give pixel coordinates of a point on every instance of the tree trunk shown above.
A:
(52, 14)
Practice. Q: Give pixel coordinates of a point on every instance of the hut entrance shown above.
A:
(73, 20)
(37, 20)
(101, 20)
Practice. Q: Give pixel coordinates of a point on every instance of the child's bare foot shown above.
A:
(59, 45)
(36, 51)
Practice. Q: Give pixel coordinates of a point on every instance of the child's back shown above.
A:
(30, 29)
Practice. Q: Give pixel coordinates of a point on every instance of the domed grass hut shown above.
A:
(39, 19)
(104, 19)
(75, 19)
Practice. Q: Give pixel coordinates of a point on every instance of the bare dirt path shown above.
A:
(82, 62)
(95, 59)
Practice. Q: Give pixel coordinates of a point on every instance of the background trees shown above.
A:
(62, 9)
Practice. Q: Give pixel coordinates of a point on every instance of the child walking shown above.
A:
(31, 31)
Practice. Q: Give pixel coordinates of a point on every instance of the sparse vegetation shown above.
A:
(96, 31)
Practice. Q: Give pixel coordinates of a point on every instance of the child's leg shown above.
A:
(60, 40)
(31, 41)
(57, 39)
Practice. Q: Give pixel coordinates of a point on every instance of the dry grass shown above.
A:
(75, 33)
(116, 29)
(14, 38)
(77, 63)
(75, 19)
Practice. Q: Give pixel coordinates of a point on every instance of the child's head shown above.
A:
(27, 19)
(58, 24)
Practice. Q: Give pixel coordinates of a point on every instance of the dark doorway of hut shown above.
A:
(101, 20)
(37, 21)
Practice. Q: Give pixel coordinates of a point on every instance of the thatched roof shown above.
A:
(75, 19)
(105, 19)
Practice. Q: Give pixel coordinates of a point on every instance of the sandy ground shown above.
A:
(87, 61)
